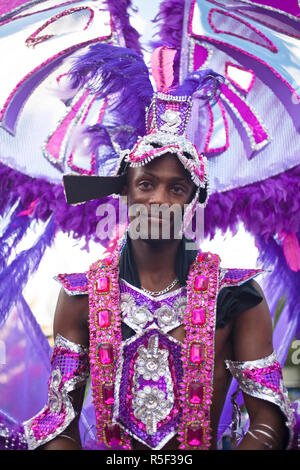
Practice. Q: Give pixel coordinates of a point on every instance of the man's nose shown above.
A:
(159, 195)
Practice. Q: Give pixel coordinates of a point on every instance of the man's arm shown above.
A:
(70, 321)
(252, 340)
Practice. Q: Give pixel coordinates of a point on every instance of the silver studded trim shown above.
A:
(166, 317)
(150, 406)
(261, 391)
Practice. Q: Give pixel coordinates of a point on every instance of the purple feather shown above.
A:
(110, 70)
(170, 18)
(119, 11)
(15, 276)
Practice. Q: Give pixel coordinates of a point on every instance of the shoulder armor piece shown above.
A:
(74, 284)
(236, 277)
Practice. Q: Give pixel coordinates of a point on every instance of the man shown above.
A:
(162, 327)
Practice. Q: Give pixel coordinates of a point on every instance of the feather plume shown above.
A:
(120, 74)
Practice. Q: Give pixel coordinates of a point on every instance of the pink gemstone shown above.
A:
(102, 284)
(194, 435)
(197, 355)
(195, 394)
(112, 434)
(201, 257)
(106, 354)
(108, 394)
(201, 283)
(104, 318)
(198, 316)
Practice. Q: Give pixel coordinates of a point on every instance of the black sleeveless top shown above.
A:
(230, 302)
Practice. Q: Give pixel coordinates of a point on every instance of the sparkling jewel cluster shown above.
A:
(105, 344)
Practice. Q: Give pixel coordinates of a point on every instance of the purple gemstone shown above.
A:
(197, 353)
(194, 435)
(195, 393)
(108, 394)
(201, 283)
(106, 354)
(198, 316)
(112, 434)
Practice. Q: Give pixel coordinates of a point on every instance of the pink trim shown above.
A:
(69, 50)
(9, 20)
(34, 39)
(271, 46)
(201, 51)
(247, 116)
(55, 141)
(93, 157)
(237, 66)
(201, 336)
(260, 20)
(211, 129)
(295, 17)
(223, 43)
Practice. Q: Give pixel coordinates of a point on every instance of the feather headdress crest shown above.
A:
(157, 122)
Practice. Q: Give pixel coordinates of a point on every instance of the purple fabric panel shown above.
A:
(16, 104)
(124, 415)
(291, 7)
(26, 364)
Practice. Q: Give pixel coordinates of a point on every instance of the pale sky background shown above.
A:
(66, 254)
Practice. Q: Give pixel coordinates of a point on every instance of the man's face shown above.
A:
(157, 194)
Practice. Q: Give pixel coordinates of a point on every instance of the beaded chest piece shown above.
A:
(151, 386)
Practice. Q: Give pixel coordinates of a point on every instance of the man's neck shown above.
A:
(155, 262)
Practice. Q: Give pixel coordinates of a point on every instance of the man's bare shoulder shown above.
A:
(253, 331)
(71, 317)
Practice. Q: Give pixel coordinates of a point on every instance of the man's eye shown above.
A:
(178, 189)
(144, 184)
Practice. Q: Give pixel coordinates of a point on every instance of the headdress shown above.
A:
(143, 124)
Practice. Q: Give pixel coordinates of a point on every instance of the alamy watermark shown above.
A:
(156, 222)
(295, 356)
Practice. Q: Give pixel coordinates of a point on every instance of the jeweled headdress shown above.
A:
(147, 124)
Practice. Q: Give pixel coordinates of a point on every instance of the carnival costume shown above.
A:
(150, 386)
(146, 384)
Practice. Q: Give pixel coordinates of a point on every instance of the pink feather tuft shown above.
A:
(162, 61)
(291, 250)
